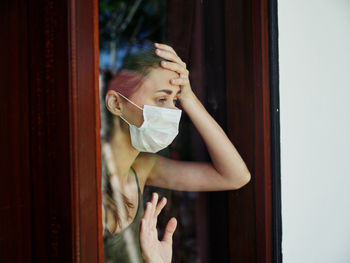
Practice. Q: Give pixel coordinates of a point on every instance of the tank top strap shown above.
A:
(137, 179)
(140, 209)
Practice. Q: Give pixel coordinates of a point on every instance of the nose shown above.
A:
(172, 106)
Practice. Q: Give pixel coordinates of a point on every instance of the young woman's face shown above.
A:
(156, 90)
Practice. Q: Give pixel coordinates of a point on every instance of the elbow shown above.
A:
(244, 179)
(247, 177)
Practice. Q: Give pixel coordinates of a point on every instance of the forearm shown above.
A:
(225, 158)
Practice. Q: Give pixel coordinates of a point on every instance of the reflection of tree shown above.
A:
(123, 23)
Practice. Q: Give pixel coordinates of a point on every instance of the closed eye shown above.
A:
(161, 99)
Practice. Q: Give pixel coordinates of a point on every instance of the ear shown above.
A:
(114, 102)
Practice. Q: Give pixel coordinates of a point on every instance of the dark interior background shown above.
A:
(200, 32)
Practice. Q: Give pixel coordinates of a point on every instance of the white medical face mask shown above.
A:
(159, 128)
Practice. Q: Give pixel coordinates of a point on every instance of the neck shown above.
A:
(124, 154)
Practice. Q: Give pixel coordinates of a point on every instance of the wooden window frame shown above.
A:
(65, 123)
(85, 113)
(55, 109)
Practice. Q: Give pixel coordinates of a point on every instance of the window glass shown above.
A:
(135, 116)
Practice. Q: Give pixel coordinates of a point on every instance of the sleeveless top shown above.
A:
(124, 247)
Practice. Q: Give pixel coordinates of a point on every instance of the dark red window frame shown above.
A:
(50, 122)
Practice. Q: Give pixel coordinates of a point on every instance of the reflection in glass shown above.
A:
(132, 74)
(126, 28)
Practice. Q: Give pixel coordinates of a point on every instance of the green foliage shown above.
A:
(127, 21)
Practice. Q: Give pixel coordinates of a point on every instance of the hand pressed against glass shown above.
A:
(153, 250)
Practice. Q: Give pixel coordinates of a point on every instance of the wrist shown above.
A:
(188, 98)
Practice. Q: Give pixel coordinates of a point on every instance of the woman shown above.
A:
(143, 105)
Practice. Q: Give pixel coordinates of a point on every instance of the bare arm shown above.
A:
(227, 169)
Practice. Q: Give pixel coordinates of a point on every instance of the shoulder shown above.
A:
(143, 165)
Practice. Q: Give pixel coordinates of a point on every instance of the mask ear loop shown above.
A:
(131, 103)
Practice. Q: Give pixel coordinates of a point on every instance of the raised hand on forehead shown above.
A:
(177, 65)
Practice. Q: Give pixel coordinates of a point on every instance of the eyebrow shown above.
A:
(168, 91)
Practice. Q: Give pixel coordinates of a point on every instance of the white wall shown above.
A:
(314, 53)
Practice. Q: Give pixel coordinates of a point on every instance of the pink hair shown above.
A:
(126, 82)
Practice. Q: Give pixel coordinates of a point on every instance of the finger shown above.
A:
(154, 202)
(153, 222)
(169, 56)
(165, 47)
(180, 81)
(169, 230)
(143, 232)
(142, 227)
(160, 206)
(184, 76)
(175, 67)
(148, 213)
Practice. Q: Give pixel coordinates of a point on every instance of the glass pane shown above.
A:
(152, 141)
